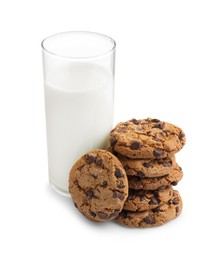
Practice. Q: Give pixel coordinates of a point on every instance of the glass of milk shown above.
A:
(79, 92)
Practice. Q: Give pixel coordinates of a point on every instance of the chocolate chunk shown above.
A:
(89, 194)
(147, 165)
(132, 195)
(142, 197)
(103, 215)
(118, 173)
(80, 167)
(99, 162)
(157, 139)
(104, 184)
(153, 201)
(126, 168)
(92, 213)
(75, 205)
(149, 219)
(156, 193)
(167, 164)
(159, 125)
(90, 158)
(180, 168)
(134, 121)
(123, 214)
(177, 209)
(140, 174)
(174, 183)
(94, 176)
(155, 120)
(162, 187)
(118, 194)
(181, 135)
(135, 145)
(121, 185)
(175, 201)
(157, 153)
(157, 209)
(113, 141)
(114, 214)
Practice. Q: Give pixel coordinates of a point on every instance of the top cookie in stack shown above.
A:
(146, 138)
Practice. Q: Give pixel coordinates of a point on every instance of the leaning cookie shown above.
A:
(147, 138)
(98, 185)
(149, 167)
(140, 200)
(138, 183)
(153, 217)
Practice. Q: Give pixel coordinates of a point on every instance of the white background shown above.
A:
(168, 66)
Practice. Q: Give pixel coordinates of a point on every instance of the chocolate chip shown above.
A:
(175, 201)
(94, 176)
(157, 153)
(113, 141)
(156, 193)
(121, 130)
(126, 168)
(155, 120)
(118, 173)
(174, 183)
(159, 125)
(140, 174)
(114, 214)
(132, 195)
(121, 185)
(157, 139)
(80, 167)
(157, 209)
(153, 201)
(92, 213)
(118, 194)
(99, 162)
(142, 197)
(180, 168)
(135, 145)
(102, 215)
(167, 164)
(149, 219)
(75, 205)
(181, 135)
(90, 158)
(89, 194)
(147, 165)
(104, 184)
(177, 209)
(134, 121)
(123, 214)
(162, 187)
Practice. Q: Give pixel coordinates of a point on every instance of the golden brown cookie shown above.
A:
(147, 138)
(153, 217)
(140, 200)
(98, 185)
(147, 183)
(149, 167)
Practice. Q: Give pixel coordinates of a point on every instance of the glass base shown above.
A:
(61, 192)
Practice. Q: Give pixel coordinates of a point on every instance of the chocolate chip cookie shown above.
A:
(140, 200)
(138, 183)
(153, 217)
(149, 167)
(147, 138)
(98, 185)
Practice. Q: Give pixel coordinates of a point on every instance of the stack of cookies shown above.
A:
(146, 149)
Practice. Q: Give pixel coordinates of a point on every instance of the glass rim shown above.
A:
(112, 49)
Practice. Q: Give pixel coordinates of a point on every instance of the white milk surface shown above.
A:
(79, 116)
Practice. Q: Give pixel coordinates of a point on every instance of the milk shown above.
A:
(79, 116)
